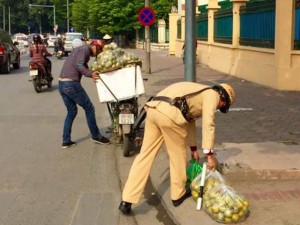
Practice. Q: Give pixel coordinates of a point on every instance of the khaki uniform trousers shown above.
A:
(158, 129)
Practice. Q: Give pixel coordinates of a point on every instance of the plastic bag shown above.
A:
(192, 171)
(195, 186)
(111, 59)
(225, 205)
(212, 179)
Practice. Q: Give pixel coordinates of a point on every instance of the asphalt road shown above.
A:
(43, 184)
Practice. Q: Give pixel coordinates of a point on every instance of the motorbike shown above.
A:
(39, 76)
(126, 121)
(60, 52)
(123, 114)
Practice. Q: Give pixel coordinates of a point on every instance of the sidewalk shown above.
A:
(257, 141)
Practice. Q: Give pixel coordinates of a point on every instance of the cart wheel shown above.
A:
(126, 144)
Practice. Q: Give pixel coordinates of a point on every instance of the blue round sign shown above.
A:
(146, 16)
(72, 29)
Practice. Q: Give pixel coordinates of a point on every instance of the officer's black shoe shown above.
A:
(185, 196)
(125, 207)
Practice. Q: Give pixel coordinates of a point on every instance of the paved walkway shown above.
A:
(257, 140)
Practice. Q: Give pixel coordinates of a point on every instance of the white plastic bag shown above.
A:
(225, 205)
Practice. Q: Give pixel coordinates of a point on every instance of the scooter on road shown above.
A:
(39, 76)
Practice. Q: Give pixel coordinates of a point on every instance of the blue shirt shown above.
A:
(76, 64)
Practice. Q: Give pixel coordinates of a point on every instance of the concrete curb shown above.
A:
(247, 161)
(259, 161)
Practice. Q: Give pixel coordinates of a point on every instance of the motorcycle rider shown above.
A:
(59, 44)
(45, 39)
(38, 53)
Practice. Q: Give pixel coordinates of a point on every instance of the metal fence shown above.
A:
(179, 29)
(153, 34)
(223, 26)
(202, 27)
(297, 26)
(258, 24)
(167, 35)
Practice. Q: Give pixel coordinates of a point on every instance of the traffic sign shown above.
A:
(146, 16)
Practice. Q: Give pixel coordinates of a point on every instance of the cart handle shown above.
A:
(108, 89)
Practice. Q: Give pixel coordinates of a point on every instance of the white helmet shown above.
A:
(77, 43)
(59, 36)
(106, 37)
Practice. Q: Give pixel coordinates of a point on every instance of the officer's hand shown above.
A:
(195, 155)
(95, 75)
(211, 162)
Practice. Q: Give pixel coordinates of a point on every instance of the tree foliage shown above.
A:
(102, 16)
(116, 16)
(162, 8)
(107, 16)
(15, 9)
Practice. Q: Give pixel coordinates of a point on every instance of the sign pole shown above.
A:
(147, 38)
(147, 18)
(190, 41)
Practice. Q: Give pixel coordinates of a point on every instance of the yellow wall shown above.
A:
(277, 68)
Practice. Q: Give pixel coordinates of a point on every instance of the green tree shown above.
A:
(102, 16)
(61, 14)
(162, 8)
(80, 12)
(18, 16)
(108, 16)
(116, 16)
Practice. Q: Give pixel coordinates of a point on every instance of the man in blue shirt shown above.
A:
(73, 93)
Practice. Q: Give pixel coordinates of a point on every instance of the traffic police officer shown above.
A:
(165, 123)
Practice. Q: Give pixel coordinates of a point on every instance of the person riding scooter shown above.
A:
(38, 52)
(59, 44)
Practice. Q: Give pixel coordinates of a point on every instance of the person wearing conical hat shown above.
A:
(108, 40)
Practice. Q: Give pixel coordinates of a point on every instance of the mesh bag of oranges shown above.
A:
(225, 205)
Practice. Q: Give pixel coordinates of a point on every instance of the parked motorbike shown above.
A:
(123, 114)
(39, 76)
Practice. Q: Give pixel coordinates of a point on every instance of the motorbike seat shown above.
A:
(39, 65)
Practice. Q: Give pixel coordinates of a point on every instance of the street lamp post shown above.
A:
(40, 22)
(48, 6)
(68, 28)
(3, 17)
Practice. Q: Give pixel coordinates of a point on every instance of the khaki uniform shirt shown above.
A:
(201, 105)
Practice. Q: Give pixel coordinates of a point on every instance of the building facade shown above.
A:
(256, 40)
